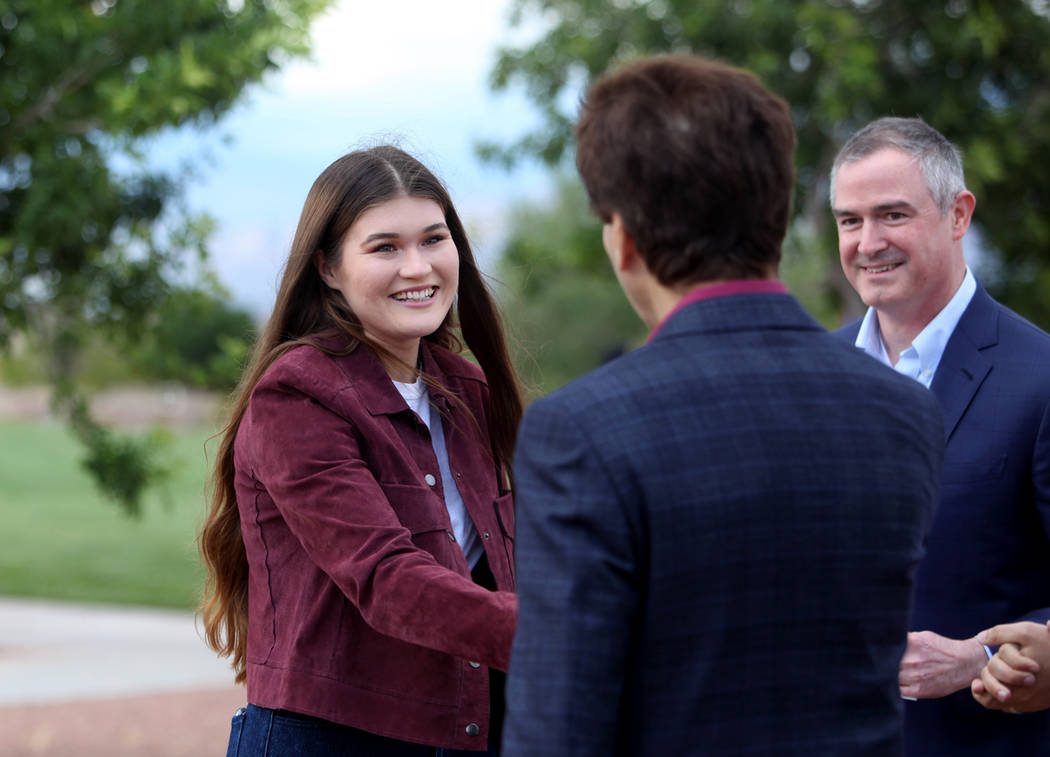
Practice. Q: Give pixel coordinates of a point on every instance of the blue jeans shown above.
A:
(261, 732)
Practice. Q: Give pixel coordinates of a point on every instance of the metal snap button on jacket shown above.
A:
(473, 730)
(429, 478)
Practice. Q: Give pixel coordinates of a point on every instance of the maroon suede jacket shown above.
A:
(361, 606)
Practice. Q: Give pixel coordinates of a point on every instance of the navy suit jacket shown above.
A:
(716, 541)
(988, 555)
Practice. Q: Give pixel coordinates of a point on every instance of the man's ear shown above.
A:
(620, 245)
(323, 269)
(961, 212)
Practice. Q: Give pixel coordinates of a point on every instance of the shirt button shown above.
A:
(451, 536)
(475, 664)
(429, 478)
(473, 730)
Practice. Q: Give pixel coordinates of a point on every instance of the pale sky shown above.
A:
(411, 71)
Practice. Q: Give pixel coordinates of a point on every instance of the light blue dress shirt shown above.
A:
(418, 399)
(921, 359)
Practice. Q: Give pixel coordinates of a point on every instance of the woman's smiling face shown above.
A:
(398, 269)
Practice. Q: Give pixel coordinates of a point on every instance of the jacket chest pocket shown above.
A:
(504, 505)
(989, 467)
(505, 514)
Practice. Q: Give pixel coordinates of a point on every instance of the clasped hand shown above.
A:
(935, 666)
(1017, 678)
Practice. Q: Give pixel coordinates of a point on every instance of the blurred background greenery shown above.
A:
(63, 540)
(104, 269)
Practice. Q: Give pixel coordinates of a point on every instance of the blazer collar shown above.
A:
(963, 366)
(723, 289)
(739, 312)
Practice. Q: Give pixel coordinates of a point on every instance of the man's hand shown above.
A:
(935, 666)
(1017, 678)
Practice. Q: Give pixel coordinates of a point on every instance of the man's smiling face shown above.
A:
(898, 250)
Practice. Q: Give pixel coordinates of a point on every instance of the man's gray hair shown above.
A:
(939, 160)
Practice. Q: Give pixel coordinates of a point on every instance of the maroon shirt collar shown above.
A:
(725, 289)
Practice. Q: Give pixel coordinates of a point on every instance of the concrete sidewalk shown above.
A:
(51, 651)
(104, 681)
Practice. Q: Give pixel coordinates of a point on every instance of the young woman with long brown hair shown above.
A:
(359, 540)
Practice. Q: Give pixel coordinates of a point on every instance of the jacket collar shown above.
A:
(723, 289)
(364, 372)
(739, 312)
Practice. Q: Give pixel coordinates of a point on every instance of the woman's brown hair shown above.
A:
(306, 310)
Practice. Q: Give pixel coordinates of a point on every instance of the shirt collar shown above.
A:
(724, 289)
(929, 344)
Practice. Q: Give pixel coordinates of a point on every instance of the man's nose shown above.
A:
(871, 238)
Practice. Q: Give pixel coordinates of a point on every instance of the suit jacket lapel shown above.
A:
(963, 368)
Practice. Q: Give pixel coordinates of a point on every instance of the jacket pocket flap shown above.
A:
(419, 509)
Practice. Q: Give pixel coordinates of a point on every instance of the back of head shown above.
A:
(696, 157)
(939, 160)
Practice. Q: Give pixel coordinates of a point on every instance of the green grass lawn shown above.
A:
(60, 539)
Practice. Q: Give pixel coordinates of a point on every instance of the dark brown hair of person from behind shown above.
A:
(696, 156)
(307, 310)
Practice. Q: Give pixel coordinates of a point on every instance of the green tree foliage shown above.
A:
(978, 70)
(90, 238)
(197, 338)
(564, 308)
(565, 311)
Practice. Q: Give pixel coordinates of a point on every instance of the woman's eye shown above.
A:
(433, 239)
(385, 248)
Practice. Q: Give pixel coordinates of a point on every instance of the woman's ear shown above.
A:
(324, 269)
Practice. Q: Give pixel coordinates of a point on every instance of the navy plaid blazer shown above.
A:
(717, 535)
